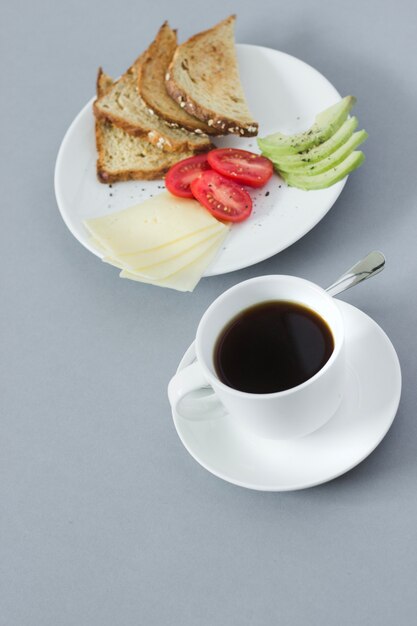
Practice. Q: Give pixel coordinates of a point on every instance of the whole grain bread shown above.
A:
(152, 68)
(203, 77)
(122, 156)
(122, 106)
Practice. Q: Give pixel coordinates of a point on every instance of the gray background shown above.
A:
(105, 518)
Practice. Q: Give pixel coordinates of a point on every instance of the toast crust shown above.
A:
(164, 137)
(222, 123)
(104, 175)
(151, 68)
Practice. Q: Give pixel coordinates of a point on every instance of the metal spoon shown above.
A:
(369, 266)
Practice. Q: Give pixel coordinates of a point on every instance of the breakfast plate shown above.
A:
(370, 402)
(284, 94)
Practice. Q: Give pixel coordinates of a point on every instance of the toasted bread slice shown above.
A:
(103, 83)
(203, 77)
(123, 106)
(152, 68)
(124, 157)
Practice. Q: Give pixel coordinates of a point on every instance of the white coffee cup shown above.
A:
(281, 415)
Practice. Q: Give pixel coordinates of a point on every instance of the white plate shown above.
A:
(284, 94)
(370, 403)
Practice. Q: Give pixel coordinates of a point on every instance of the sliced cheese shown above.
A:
(187, 278)
(99, 246)
(167, 250)
(156, 222)
(138, 260)
(114, 262)
(166, 268)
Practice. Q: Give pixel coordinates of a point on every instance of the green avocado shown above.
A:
(326, 179)
(326, 124)
(284, 162)
(336, 157)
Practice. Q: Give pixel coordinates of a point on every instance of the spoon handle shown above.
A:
(371, 265)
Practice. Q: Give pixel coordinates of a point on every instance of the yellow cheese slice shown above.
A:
(114, 262)
(99, 246)
(187, 278)
(161, 270)
(167, 250)
(139, 260)
(156, 222)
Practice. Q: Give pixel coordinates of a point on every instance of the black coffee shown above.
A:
(272, 346)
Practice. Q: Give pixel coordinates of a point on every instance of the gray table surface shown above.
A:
(105, 519)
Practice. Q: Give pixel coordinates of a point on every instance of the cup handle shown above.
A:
(191, 395)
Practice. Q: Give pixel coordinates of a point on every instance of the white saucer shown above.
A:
(370, 403)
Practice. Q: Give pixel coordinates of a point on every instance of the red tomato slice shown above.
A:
(241, 166)
(180, 175)
(224, 199)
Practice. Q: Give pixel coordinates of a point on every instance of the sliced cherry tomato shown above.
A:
(224, 199)
(241, 166)
(181, 174)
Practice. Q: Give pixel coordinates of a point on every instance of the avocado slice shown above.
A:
(326, 124)
(326, 179)
(284, 162)
(336, 157)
